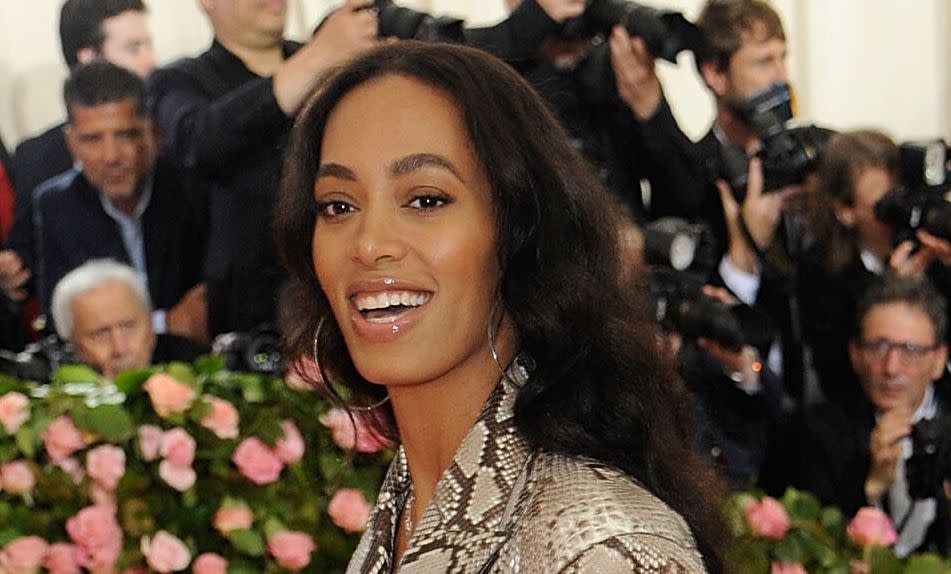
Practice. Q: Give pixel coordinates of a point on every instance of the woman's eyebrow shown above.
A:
(335, 170)
(416, 161)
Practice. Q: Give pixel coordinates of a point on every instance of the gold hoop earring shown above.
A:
(359, 408)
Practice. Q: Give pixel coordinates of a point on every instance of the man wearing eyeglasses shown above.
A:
(891, 449)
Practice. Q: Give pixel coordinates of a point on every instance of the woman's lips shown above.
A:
(385, 315)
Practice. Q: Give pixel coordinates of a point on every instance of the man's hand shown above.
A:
(637, 84)
(561, 10)
(351, 30)
(13, 275)
(189, 317)
(885, 448)
(940, 248)
(760, 212)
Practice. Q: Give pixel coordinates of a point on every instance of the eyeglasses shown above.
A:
(908, 353)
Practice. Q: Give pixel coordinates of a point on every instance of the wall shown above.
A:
(854, 63)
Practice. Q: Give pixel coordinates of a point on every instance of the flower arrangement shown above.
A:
(180, 468)
(796, 535)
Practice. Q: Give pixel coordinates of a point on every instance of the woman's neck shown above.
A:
(434, 417)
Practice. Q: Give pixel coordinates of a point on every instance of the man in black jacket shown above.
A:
(893, 447)
(225, 117)
(123, 204)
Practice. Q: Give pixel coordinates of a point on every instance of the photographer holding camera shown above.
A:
(851, 244)
(892, 447)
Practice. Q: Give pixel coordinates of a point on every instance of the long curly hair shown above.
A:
(600, 388)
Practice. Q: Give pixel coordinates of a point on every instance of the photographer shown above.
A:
(850, 246)
(892, 447)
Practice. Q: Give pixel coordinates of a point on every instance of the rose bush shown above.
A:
(179, 468)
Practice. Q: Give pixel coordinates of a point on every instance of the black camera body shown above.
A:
(923, 201)
(789, 152)
(37, 361)
(408, 24)
(256, 351)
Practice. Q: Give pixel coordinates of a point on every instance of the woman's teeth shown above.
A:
(389, 303)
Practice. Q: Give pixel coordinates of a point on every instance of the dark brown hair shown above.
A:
(724, 24)
(600, 387)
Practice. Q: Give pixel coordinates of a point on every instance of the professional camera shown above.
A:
(922, 471)
(408, 24)
(258, 350)
(923, 201)
(789, 152)
(665, 33)
(37, 361)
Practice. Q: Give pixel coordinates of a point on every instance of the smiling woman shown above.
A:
(454, 255)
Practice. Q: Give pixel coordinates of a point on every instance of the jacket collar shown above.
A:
(468, 518)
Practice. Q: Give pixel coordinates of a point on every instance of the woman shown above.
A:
(456, 267)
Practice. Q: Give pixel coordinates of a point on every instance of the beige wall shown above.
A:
(854, 63)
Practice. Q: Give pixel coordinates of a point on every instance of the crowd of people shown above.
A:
(432, 176)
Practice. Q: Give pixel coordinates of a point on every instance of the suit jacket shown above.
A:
(75, 228)
(502, 506)
(221, 122)
(39, 158)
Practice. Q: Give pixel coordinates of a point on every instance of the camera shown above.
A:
(665, 33)
(257, 351)
(37, 361)
(789, 152)
(923, 200)
(408, 24)
(922, 471)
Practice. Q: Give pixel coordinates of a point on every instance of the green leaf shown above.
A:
(25, 441)
(248, 542)
(209, 365)
(252, 388)
(76, 374)
(130, 381)
(182, 372)
(788, 549)
(746, 557)
(883, 561)
(111, 422)
(924, 564)
(801, 505)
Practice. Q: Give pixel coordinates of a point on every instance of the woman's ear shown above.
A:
(844, 214)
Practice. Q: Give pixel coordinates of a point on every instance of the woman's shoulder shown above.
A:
(581, 515)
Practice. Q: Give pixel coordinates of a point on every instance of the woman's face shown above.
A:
(404, 243)
(871, 184)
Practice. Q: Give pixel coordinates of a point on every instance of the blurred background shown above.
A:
(853, 63)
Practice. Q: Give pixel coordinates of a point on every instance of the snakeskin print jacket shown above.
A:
(501, 507)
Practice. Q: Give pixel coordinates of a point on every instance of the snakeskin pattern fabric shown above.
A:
(502, 508)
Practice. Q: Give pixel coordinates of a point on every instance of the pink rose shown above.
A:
(137, 569)
(222, 420)
(341, 428)
(178, 447)
(767, 518)
(17, 477)
(257, 462)
(349, 510)
(786, 568)
(72, 467)
(106, 465)
(233, 518)
(24, 555)
(165, 553)
(97, 536)
(290, 447)
(14, 411)
(181, 478)
(872, 527)
(62, 559)
(150, 441)
(290, 549)
(210, 563)
(62, 438)
(168, 395)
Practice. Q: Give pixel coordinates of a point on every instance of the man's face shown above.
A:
(250, 23)
(897, 356)
(112, 331)
(128, 43)
(116, 147)
(759, 62)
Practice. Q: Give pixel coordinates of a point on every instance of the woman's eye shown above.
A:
(333, 208)
(429, 202)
